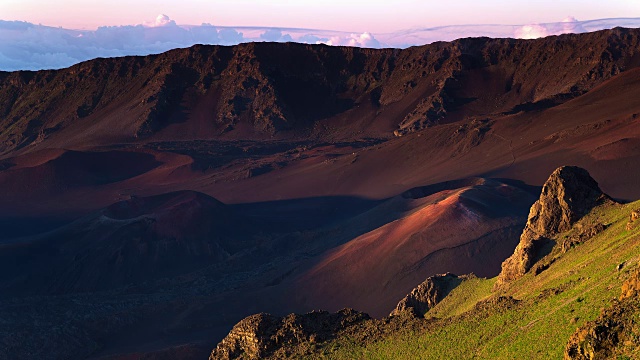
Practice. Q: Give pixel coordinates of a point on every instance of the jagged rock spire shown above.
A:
(568, 195)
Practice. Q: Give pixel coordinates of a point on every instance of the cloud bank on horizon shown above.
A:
(26, 46)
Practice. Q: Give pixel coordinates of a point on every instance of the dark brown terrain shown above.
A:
(147, 204)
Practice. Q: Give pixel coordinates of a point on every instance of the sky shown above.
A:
(374, 16)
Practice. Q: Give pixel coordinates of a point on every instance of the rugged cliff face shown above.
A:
(265, 89)
(569, 193)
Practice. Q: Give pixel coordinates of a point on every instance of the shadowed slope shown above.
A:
(133, 241)
(51, 171)
(467, 229)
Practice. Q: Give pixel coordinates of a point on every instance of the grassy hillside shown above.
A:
(531, 319)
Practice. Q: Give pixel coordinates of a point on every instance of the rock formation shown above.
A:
(635, 215)
(582, 234)
(569, 193)
(631, 287)
(261, 335)
(427, 295)
(614, 333)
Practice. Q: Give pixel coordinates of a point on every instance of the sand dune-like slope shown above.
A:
(460, 230)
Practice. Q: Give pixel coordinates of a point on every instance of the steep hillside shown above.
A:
(170, 113)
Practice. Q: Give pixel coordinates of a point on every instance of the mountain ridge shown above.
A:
(245, 91)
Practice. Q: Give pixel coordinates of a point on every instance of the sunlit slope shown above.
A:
(535, 316)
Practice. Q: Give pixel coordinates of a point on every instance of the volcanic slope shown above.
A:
(373, 271)
(568, 304)
(201, 265)
(498, 122)
(142, 239)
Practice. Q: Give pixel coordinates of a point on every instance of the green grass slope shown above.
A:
(532, 318)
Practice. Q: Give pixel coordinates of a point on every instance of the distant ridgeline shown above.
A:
(291, 90)
(29, 46)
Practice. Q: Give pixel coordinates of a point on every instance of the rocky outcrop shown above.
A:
(635, 215)
(631, 287)
(427, 295)
(429, 112)
(263, 335)
(582, 234)
(614, 333)
(569, 194)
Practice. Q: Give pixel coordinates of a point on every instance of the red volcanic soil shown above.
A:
(42, 175)
(511, 109)
(598, 131)
(461, 230)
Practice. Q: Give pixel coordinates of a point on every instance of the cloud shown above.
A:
(532, 31)
(205, 34)
(230, 37)
(26, 46)
(569, 25)
(275, 35)
(161, 20)
(360, 40)
(312, 39)
(15, 25)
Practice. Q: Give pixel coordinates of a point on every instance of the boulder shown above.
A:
(426, 295)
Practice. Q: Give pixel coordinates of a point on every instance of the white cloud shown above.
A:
(230, 37)
(569, 25)
(27, 46)
(532, 31)
(360, 40)
(161, 20)
(312, 39)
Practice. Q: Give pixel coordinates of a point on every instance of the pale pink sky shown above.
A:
(374, 15)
